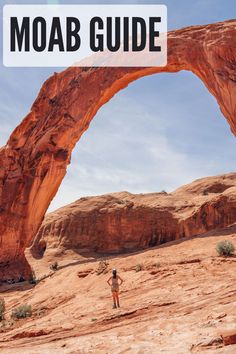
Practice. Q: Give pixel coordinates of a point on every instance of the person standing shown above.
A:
(115, 281)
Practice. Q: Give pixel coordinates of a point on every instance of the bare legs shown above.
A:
(115, 296)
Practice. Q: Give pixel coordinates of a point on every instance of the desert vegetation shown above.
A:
(21, 311)
(225, 248)
(2, 309)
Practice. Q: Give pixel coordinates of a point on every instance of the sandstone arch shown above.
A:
(34, 160)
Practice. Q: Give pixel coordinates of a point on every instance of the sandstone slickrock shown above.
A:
(34, 160)
(180, 302)
(124, 221)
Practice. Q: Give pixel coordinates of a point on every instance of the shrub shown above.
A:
(138, 267)
(22, 311)
(32, 277)
(204, 192)
(225, 248)
(54, 266)
(21, 278)
(2, 309)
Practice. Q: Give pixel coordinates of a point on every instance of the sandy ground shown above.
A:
(180, 302)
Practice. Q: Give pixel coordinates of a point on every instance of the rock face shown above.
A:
(34, 161)
(124, 221)
(229, 337)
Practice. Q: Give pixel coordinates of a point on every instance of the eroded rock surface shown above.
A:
(180, 301)
(34, 161)
(124, 221)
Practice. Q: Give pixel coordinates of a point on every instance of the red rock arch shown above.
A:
(36, 156)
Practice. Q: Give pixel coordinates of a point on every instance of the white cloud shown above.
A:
(129, 147)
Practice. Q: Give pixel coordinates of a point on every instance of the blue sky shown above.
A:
(159, 133)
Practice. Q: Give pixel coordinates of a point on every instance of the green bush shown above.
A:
(225, 248)
(2, 309)
(138, 267)
(22, 311)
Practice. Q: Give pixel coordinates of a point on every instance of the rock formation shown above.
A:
(124, 221)
(229, 337)
(34, 160)
(175, 299)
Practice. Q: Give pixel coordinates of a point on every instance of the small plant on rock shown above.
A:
(138, 268)
(54, 266)
(2, 309)
(22, 311)
(225, 248)
(32, 278)
(164, 192)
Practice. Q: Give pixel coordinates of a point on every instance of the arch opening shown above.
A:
(39, 149)
(144, 140)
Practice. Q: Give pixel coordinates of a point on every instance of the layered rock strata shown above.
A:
(123, 221)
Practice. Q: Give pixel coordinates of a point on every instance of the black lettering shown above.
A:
(99, 46)
(110, 46)
(56, 35)
(135, 46)
(19, 34)
(72, 33)
(126, 34)
(36, 22)
(153, 34)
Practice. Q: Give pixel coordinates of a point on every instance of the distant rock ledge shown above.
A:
(123, 221)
